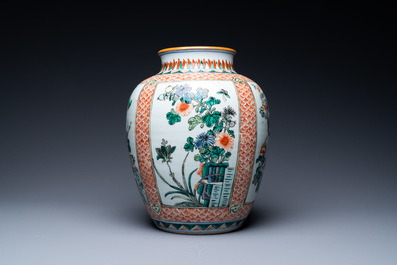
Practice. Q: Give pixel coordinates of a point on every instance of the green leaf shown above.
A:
(163, 149)
(202, 159)
(211, 119)
(190, 180)
(212, 101)
(129, 104)
(173, 117)
(194, 121)
(218, 128)
(169, 115)
(197, 157)
(211, 132)
(173, 192)
(231, 132)
(179, 197)
(204, 150)
(189, 146)
(159, 154)
(129, 147)
(261, 158)
(158, 151)
(172, 149)
(228, 154)
(202, 110)
(217, 152)
(214, 159)
(200, 188)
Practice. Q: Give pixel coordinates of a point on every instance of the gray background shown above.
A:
(67, 195)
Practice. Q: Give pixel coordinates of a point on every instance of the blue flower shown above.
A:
(201, 93)
(204, 139)
(180, 90)
(187, 97)
(198, 96)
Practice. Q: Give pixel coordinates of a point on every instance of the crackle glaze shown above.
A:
(197, 136)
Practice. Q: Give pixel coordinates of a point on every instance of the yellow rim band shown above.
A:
(197, 48)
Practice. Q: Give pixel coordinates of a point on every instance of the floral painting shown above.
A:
(135, 171)
(211, 147)
(260, 161)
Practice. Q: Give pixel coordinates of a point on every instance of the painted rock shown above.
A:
(197, 135)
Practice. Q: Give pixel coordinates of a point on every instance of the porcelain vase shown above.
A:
(197, 136)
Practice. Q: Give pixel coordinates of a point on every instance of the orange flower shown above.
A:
(200, 170)
(225, 141)
(183, 108)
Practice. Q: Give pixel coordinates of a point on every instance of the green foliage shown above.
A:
(173, 117)
(128, 144)
(258, 173)
(217, 152)
(190, 180)
(194, 121)
(205, 150)
(211, 118)
(204, 146)
(164, 152)
(218, 127)
(231, 132)
(197, 157)
(212, 101)
(260, 159)
(189, 146)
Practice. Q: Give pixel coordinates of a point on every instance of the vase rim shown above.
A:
(192, 48)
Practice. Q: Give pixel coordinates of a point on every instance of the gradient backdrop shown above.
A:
(67, 195)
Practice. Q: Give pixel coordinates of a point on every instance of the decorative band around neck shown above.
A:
(197, 59)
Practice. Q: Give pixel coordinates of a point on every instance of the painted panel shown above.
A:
(262, 137)
(131, 140)
(194, 142)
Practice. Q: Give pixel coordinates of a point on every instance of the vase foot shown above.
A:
(203, 228)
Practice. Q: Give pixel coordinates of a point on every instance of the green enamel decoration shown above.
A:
(190, 227)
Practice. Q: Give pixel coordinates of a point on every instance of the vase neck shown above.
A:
(197, 59)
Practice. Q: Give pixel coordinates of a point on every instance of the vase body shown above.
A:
(197, 138)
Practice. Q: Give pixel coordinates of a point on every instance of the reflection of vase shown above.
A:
(197, 130)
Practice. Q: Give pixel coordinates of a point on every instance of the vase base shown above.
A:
(204, 228)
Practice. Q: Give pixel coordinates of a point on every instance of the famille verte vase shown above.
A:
(197, 135)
